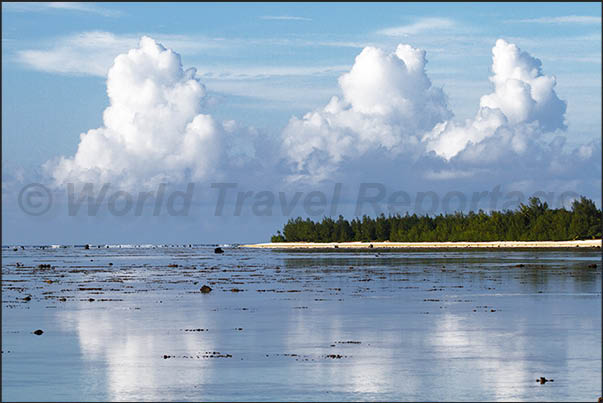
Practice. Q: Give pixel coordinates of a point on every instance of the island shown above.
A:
(532, 225)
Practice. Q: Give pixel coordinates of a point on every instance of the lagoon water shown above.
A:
(286, 325)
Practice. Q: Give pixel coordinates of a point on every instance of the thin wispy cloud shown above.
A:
(85, 7)
(566, 19)
(92, 53)
(259, 72)
(86, 53)
(67, 6)
(425, 24)
(285, 18)
(271, 95)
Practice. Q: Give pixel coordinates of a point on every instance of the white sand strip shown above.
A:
(590, 243)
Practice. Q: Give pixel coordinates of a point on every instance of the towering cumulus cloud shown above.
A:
(389, 118)
(388, 102)
(523, 105)
(153, 130)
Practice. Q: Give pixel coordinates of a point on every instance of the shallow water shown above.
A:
(349, 325)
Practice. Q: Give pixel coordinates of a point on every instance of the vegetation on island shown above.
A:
(532, 222)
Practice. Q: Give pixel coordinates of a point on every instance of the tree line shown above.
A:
(534, 221)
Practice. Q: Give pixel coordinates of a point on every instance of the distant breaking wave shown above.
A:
(126, 246)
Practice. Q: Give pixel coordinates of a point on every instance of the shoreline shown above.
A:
(589, 243)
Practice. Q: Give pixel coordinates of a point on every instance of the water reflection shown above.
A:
(316, 326)
(129, 348)
(490, 359)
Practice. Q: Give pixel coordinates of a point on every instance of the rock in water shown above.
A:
(38, 332)
(218, 250)
(543, 380)
(205, 289)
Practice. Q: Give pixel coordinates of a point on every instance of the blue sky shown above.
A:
(263, 63)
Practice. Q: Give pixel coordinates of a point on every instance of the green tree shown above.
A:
(586, 219)
(532, 221)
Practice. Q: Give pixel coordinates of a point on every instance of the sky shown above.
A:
(244, 115)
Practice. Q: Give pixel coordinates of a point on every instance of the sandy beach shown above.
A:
(590, 243)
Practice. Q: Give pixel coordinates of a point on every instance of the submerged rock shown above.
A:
(218, 250)
(205, 289)
(38, 332)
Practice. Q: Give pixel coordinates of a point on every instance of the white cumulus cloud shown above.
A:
(388, 103)
(388, 121)
(523, 105)
(153, 130)
(391, 119)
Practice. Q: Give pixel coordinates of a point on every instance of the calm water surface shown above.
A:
(349, 325)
